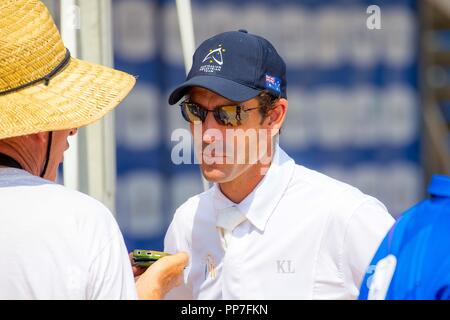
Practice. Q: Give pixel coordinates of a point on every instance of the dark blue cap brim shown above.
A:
(224, 87)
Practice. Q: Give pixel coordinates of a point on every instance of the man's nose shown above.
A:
(209, 123)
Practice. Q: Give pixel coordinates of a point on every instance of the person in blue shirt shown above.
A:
(413, 261)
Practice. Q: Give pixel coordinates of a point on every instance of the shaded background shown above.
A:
(354, 101)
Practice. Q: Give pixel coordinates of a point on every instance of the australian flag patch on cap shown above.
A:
(273, 83)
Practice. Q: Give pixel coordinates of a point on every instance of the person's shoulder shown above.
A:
(47, 196)
(342, 198)
(191, 206)
(429, 214)
(67, 196)
(77, 207)
(325, 185)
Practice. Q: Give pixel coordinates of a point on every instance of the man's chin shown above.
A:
(214, 174)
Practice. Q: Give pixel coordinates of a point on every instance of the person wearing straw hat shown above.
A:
(56, 243)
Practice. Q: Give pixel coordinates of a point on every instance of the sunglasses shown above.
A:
(224, 115)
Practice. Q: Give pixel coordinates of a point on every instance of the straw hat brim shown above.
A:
(80, 94)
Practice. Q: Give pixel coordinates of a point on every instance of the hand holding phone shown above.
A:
(145, 258)
(162, 276)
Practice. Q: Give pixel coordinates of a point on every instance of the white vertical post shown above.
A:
(97, 141)
(90, 162)
(69, 26)
(186, 25)
(184, 13)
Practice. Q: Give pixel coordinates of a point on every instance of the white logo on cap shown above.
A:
(213, 56)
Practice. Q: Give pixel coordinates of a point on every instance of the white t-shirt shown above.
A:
(56, 243)
(306, 236)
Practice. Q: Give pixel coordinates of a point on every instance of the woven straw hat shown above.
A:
(41, 87)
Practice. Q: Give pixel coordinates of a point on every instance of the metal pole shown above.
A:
(186, 25)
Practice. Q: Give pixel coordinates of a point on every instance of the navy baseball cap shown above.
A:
(236, 65)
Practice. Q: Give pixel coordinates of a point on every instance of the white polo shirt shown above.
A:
(56, 243)
(306, 236)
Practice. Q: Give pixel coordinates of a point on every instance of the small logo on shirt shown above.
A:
(381, 280)
(285, 266)
(210, 267)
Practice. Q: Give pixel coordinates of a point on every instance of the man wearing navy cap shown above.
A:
(413, 262)
(268, 228)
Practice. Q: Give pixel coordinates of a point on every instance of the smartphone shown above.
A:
(145, 258)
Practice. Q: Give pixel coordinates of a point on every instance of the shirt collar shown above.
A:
(439, 186)
(259, 205)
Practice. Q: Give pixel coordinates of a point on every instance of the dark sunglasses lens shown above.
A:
(230, 115)
(191, 112)
(184, 113)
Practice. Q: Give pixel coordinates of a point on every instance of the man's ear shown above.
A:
(277, 115)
